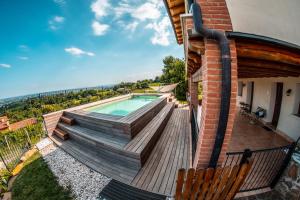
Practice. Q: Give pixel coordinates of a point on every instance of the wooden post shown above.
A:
(4, 162)
(7, 143)
(28, 138)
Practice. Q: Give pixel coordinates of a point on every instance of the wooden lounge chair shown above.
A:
(211, 184)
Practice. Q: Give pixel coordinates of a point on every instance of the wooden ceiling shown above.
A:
(176, 8)
(258, 60)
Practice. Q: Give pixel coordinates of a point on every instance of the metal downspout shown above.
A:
(226, 79)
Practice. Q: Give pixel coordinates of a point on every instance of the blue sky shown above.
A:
(57, 44)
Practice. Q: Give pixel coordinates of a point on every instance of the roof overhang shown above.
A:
(262, 57)
(175, 8)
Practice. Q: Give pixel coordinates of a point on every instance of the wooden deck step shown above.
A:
(108, 146)
(96, 161)
(116, 190)
(67, 120)
(61, 134)
(94, 136)
(146, 139)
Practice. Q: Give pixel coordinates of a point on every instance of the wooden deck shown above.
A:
(172, 152)
(169, 152)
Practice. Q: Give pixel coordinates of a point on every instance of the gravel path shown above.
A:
(85, 183)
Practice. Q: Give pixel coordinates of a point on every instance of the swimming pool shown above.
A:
(124, 107)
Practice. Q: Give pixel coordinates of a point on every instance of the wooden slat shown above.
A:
(179, 183)
(188, 183)
(207, 181)
(199, 180)
(239, 180)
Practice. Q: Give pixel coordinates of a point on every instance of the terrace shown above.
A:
(253, 136)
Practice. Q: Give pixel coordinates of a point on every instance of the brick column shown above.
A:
(215, 16)
(193, 90)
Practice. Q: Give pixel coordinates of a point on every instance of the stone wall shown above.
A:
(289, 185)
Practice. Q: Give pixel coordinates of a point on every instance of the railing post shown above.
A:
(2, 159)
(246, 155)
(28, 138)
(284, 165)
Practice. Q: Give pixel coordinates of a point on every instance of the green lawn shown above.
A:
(36, 182)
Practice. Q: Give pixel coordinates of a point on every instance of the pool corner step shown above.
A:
(67, 120)
(61, 134)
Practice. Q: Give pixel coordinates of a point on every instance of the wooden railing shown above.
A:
(211, 184)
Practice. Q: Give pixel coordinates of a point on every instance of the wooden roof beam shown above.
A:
(177, 10)
(261, 64)
(195, 57)
(174, 3)
(270, 56)
(196, 46)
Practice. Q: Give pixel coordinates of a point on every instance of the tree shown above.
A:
(174, 72)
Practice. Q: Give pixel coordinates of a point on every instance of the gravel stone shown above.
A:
(85, 183)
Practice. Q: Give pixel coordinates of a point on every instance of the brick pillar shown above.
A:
(193, 90)
(215, 16)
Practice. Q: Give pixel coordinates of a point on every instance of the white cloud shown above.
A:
(122, 8)
(23, 58)
(55, 22)
(5, 65)
(162, 32)
(78, 52)
(23, 47)
(131, 26)
(149, 10)
(59, 19)
(99, 29)
(100, 8)
(61, 3)
(146, 11)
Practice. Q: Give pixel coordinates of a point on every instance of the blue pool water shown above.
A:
(123, 108)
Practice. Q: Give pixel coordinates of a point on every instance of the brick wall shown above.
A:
(215, 16)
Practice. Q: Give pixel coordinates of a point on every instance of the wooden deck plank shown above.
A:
(164, 172)
(172, 166)
(167, 187)
(151, 165)
(162, 162)
(170, 153)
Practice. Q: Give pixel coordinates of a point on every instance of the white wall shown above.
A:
(264, 89)
(277, 19)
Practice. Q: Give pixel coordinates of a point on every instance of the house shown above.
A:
(242, 53)
(4, 123)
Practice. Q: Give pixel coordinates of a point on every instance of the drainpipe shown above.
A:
(226, 79)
